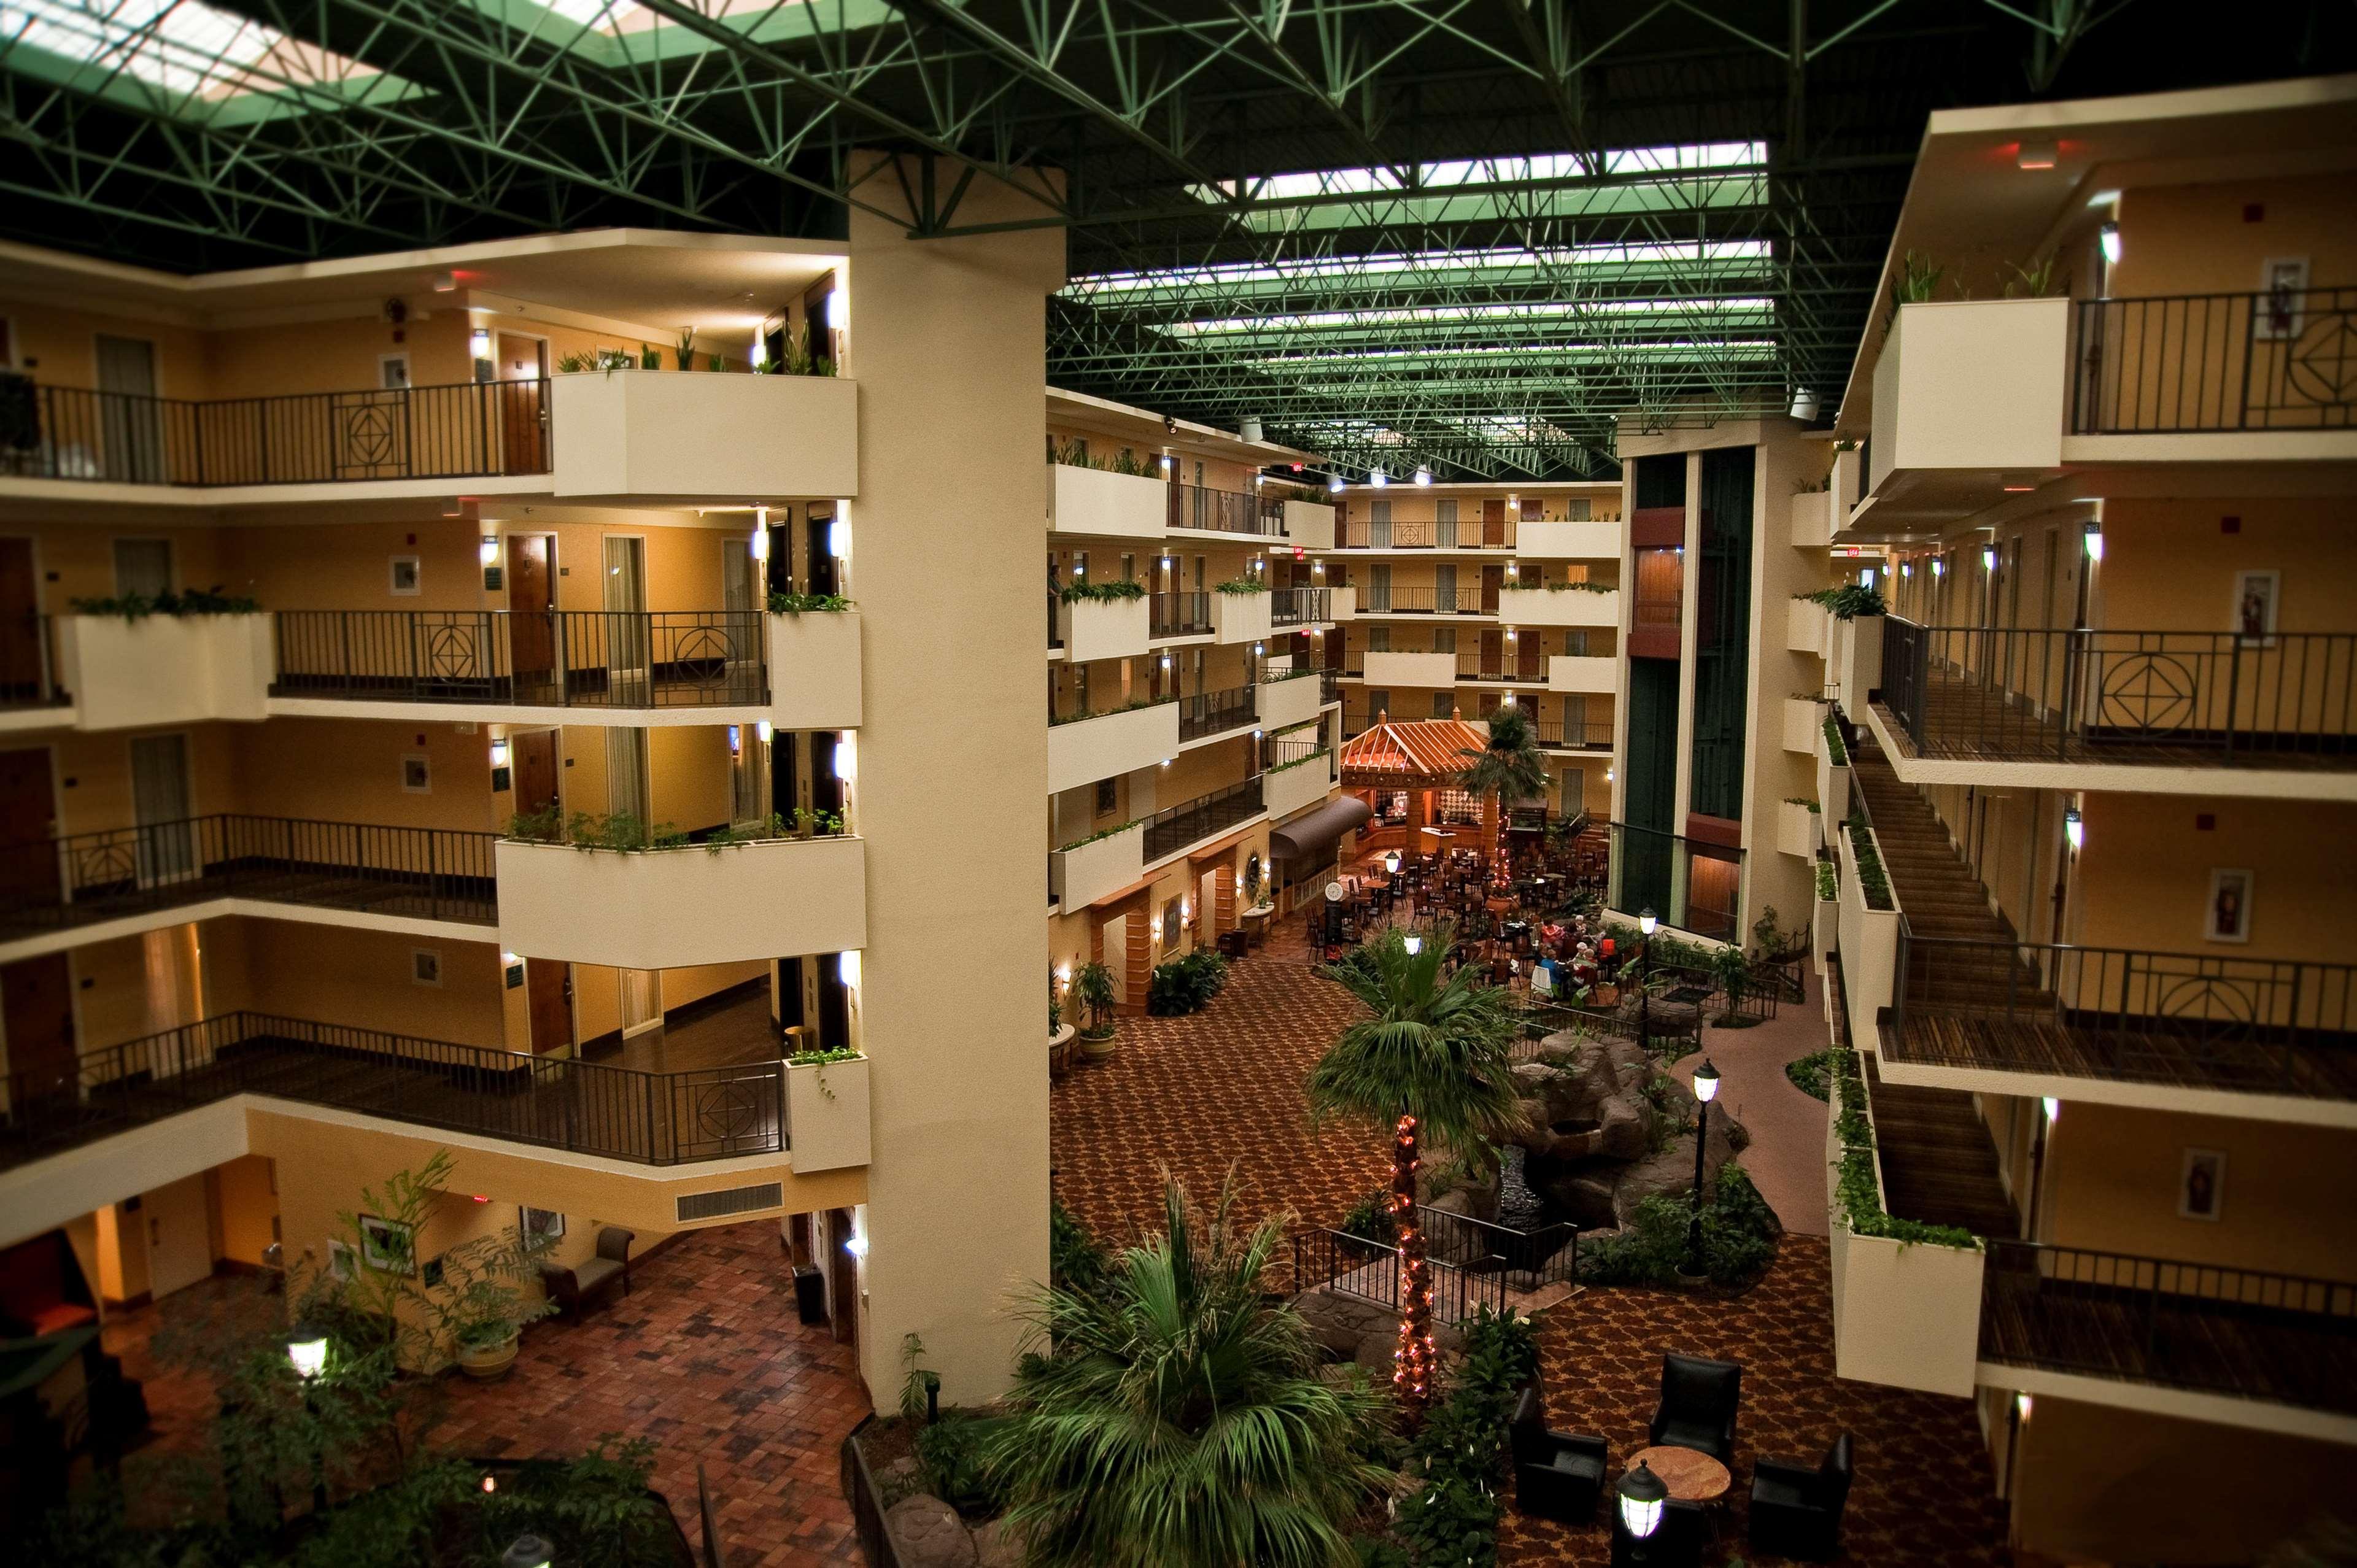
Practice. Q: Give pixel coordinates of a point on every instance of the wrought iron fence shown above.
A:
(29, 662)
(584, 1107)
(1372, 1271)
(2284, 1338)
(2282, 359)
(2258, 697)
(1564, 735)
(1209, 712)
(1300, 606)
(1547, 1254)
(1525, 662)
(577, 658)
(1456, 533)
(434, 874)
(469, 430)
(1223, 511)
(1178, 614)
(1173, 829)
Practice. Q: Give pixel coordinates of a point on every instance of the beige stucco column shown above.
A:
(948, 344)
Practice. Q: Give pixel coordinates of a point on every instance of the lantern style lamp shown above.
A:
(1706, 1089)
(1414, 944)
(1639, 1498)
(527, 1552)
(1392, 862)
(306, 1351)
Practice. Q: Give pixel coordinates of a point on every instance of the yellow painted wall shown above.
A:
(60, 347)
(350, 770)
(81, 557)
(350, 566)
(2171, 565)
(689, 767)
(93, 772)
(334, 975)
(2195, 238)
(2145, 874)
(121, 1254)
(246, 1199)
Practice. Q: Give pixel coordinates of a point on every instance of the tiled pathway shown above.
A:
(704, 1356)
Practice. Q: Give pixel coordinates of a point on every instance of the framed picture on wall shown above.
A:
(425, 966)
(2227, 916)
(2254, 607)
(417, 773)
(342, 1261)
(2281, 311)
(403, 575)
(2201, 1184)
(388, 1246)
(540, 1224)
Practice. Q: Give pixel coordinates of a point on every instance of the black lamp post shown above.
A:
(1645, 924)
(1706, 1089)
(307, 1352)
(1638, 1501)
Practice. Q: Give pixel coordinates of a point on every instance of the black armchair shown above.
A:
(1684, 1531)
(1796, 1510)
(1699, 1397)
(1557, 1475)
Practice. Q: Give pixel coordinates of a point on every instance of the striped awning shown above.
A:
(1412, 754)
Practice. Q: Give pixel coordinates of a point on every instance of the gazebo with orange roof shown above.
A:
(1417, 757)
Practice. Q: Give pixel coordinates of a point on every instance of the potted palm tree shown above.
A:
(1177, 1418)
(1432, 1065)
(1509, 767)
(1093, 989)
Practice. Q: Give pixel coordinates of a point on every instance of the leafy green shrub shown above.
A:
(1105, 592)
(1738, 1237)
(1462, 1448)
(1849, 600)
(1240, 585)
(952, 1451)
(1835, 752)
(1872, 881)
(796, 604)
(1811, 1074)
(1075, 1261)
(1828, 881)
(1073, 455)
(1186, 984)
(135, 607)
(1369, 1218)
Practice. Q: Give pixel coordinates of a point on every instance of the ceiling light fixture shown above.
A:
(2036, 156)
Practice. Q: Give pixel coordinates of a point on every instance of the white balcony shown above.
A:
(1082, 751)
(1297, 787)
(1342, 603)
(814, 667)
(1869, 941)
(1284, 704)
(1969, 396)
(1796, 829)
(657, 434)
(1560, 606)
(827, 1115)
(1087, 872)
(1833, 778)
(1802, 720)
(1309, 524)
(1548, 540)
(1807, 627)
(1813, 518)
(1386, 670)
(1240, 617)
(1099, 504)
(670, 909)
(164, 670)
(1105, 629)
(1585, 672)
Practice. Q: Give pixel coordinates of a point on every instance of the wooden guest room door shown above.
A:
(531, 603)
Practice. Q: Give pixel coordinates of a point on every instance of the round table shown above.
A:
(1692, 1476)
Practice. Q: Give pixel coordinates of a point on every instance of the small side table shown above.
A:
(1691, 1474)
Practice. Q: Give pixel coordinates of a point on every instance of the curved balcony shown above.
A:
(670, 909)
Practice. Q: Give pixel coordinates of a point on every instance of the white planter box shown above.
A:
(1081, 876)
(685, 434)
(814, 670)
(1869, 948)
(1106, 629)
(1907, 1317)
(1857, 663)
(1106, 505)
(1559, 606)
(1299, 788)
(163, 670)
(827, 1115)
(1824, 929)
(1804, 626)
(670, 909)
(1240, 617)
(1342, 603)
(1813, 518)
(1386, 671)
(1309, 524)
(1803, 719)
(1796, 829)
(1584, 673)
(1086, 750)
(1972, 384)
(1540, 540)
(1832, 783)
(1284, 704)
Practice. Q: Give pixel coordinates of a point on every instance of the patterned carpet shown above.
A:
(1922, 1491)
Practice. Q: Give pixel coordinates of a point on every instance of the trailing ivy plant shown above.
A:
(799, 604)
(1106, 592)
(1872, 880)
(1828, 881)
(1835, 752)
(137, 607)
(1804, 800)
(1100, 834)
(1849, 600)
(1855, 1189)
(1583, 585)
(1237, 585)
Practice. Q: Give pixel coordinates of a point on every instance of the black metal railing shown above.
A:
(1691, 884)
(1462, 533)
(2194, 1020)
(1547, 1254)
(1562, 736)
(470, 430)
(1300, 606)
(28, 663)
(434, 874)
(575, 659)
(1281, 750)
(2285, 359)
(1078, 715)
(1209, 712)
(1178, 615)
(1379, 599)
(1174, 827)
(1371, 1271)
(1223, 511)
(2284, 1338)
(1525, 664)
(2082, 693)
(618, 1113)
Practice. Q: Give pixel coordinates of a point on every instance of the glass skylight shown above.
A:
(1457, 173)
(181, 47)
(1494, 265)
(1618, 311)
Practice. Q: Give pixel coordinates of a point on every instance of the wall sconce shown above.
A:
(1989, 558)
(1063, 974)
(478, 342)
(1166, 661)
(856, 1244)
(838, 310)
(2021, 1406)
(764, 730)
(2108, 237)
(847, 967)
(489, 551)
(2094, 544)
(1907, 568)
(500, 753)
(1938, 566)
(846, 756)
(838, 540)
(502, 780)
(2074, 828)
(2053, 1108)
(1166, 462)
(760, 544)
(1258, 647)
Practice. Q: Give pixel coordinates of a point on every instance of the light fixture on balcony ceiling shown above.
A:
(1422, 477)
(1379, 478)
(2108, 237)
(1248, 427)
(444, 282)
(1805, 404)
(1334, 484)
(2035, 156)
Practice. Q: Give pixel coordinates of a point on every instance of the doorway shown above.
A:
(179, 1236)
(1493, 524)
(143, 566)
(532, 618)
(28, 873)
(642, 1008)
(24, 654)
(36, 1012)
(533, 752)
(625, 772)
(628, 673)
(748, 782)
(548, 1004)
(1493, 579)
(132, 423)
(520, 389)
(161, 807)
(819, 574)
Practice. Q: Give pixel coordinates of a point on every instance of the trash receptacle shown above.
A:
(810, 1294)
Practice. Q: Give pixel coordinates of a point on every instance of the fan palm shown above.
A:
(1509, 767)
(1433, 1064)
(1179, 1420)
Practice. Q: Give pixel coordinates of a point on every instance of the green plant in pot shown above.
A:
(483, 1307)
(1093, 989)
